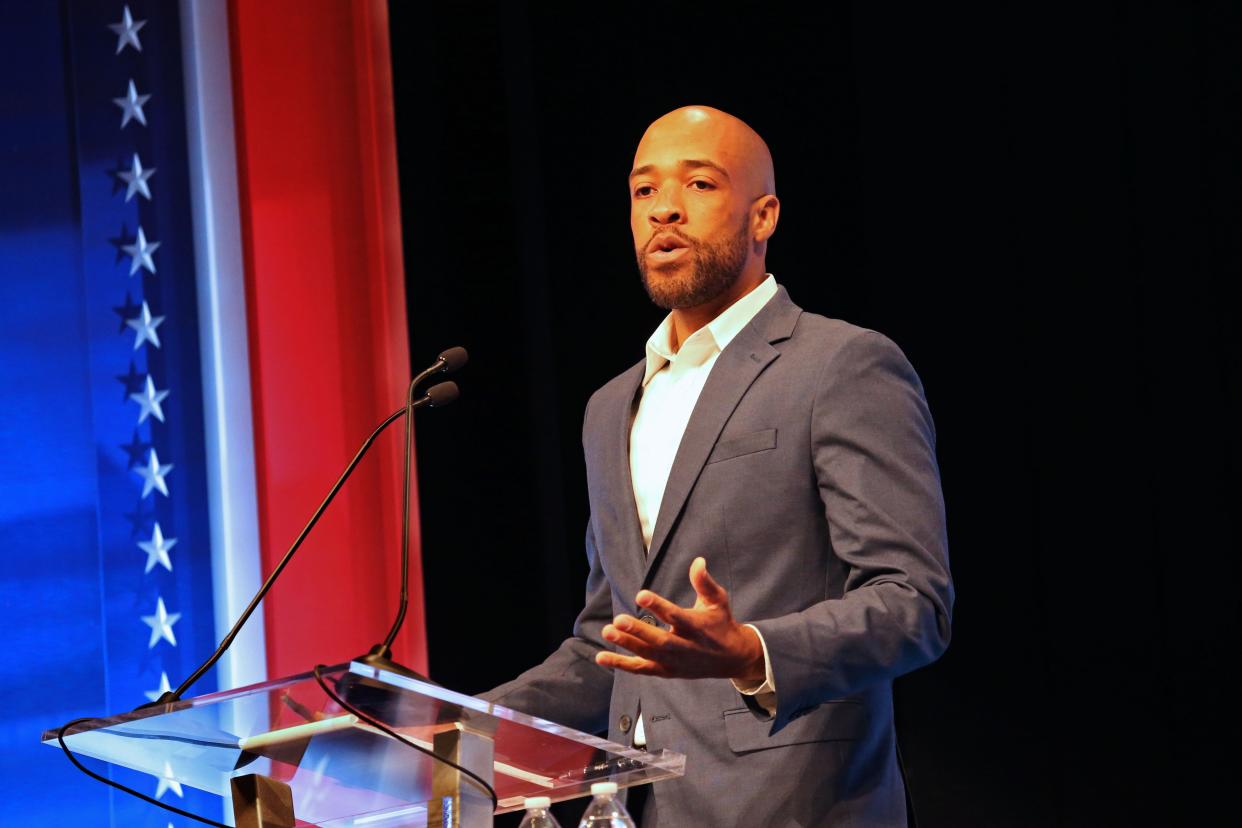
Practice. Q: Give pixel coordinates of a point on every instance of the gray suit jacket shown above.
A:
(807, 478)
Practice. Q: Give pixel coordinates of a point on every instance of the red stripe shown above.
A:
(329, 349)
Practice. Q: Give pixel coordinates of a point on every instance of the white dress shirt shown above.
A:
(671, 387)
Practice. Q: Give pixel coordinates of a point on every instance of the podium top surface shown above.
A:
(343, 771)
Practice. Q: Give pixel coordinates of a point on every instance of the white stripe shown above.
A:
(232, 502)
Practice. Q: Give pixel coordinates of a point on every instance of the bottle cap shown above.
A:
(603, 788)
(536, 802)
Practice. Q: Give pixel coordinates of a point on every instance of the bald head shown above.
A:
(726, 138)
(702, 207)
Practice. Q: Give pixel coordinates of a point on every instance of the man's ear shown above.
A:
(767, 214)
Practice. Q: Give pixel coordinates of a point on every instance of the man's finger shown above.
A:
(648, 633)
(705, 585)
(662, 608)
(630, 664)
(636, 645)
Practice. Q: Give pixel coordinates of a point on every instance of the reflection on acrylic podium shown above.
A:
(286, 753)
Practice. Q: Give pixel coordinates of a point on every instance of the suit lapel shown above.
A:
(735, 371)
(617, 470)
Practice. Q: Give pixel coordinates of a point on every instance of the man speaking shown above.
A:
(767, 538)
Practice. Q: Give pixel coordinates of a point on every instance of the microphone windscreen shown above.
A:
(454, 358)
(442, 394)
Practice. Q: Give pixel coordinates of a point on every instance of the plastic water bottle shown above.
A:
(605, 811)
(537, 813)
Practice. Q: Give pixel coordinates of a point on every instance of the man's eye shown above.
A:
(644, 190)
(702, 185)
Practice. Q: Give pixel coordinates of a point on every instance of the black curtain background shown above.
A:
(1040, 205)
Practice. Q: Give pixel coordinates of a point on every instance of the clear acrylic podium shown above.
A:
(287, 738)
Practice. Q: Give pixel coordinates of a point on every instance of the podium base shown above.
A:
(373, 697)
(380, 657)
(262, 802)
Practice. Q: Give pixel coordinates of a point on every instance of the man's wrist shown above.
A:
(755, 669)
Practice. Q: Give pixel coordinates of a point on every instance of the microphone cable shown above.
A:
(60, 738)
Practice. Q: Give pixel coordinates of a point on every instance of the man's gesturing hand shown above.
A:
(702, 642)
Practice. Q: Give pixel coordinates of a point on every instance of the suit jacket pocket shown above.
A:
(746, 444)
(830, 721)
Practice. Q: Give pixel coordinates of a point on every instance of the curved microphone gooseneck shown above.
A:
(436, 397)
(380, 656)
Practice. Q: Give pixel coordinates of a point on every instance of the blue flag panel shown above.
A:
(106, 596)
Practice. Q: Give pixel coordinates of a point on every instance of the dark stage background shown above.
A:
(1040, 206)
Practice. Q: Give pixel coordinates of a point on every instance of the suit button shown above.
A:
(649, 619)
(624, 723)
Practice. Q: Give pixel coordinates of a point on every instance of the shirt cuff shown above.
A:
(765, 692)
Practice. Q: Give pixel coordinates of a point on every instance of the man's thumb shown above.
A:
(705, 585)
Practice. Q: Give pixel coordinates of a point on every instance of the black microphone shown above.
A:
(454, 358)
(441, 395)
(380, 656)
(437, 396)
(448, 362)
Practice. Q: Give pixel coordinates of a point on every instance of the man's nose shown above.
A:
(667, 209)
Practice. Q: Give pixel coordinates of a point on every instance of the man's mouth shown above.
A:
(666, 248)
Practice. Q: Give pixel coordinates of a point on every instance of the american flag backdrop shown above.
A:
(107, 596)
(142, 490)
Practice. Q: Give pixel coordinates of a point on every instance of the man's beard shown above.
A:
(713, 269)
